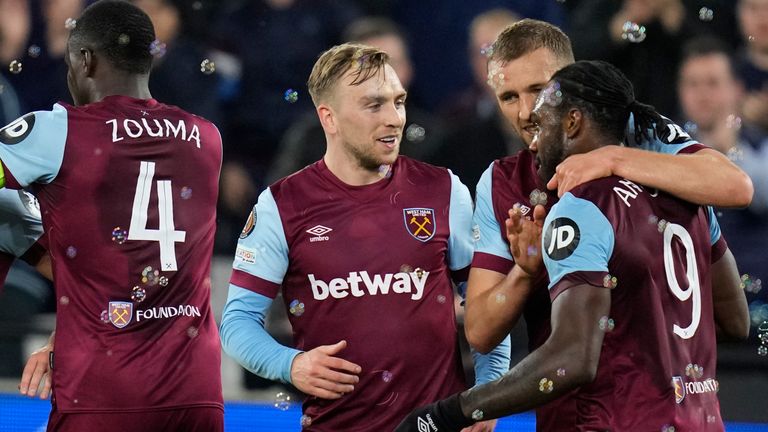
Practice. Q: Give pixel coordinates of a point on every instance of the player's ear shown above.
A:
(573, 122)
(87, 62)
(327, 118)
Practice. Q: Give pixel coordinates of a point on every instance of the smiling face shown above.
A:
(518, 82)
(368, 118)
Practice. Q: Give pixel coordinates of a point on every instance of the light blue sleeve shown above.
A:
(262, 249)
(20, 224)
(577, 237)
(672, 141)
(714, 226)
(490, 367)
(489, 239)
(32, 146)
(460, 222)
(244, 338)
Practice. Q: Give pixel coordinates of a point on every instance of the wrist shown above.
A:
(450, 411)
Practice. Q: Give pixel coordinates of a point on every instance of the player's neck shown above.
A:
(130, 85)
(348, 170)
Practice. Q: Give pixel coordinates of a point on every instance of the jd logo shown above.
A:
(561, 238)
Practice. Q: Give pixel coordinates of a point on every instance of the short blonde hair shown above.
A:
(333, 64)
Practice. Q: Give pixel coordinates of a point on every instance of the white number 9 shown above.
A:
(692, 273)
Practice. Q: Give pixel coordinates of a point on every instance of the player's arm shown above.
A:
(261, 262)
(574, 346)
(497, 289)
(730, 303)
(705, 177)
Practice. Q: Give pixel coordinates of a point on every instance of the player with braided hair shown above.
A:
(633, 297)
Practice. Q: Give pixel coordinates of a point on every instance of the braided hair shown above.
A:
(606, 95)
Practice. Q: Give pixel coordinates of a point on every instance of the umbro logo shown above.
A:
(319, 233)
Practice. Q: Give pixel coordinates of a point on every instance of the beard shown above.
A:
(366, 158)
(550, 158)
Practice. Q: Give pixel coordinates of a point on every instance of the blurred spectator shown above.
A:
(304, 142)
(33, 33)
(9, 102)
(441, 27)
(710, 95)
(597, 32)
(752, 63)
(479, 133)
(178, 70)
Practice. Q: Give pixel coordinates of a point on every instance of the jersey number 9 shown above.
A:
(692, 273)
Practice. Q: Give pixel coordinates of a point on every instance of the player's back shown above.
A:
(130, 216)
(657, 364)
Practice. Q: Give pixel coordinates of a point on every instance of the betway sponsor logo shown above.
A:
(360, 283)
(167, 312)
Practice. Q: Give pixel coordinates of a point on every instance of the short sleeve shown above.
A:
(491, 251)
(460, 221)
(20, 225)
(673, 140)
(32, 147)
(578, 242)
(261, 257)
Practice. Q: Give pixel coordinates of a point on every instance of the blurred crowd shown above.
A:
(244, 64)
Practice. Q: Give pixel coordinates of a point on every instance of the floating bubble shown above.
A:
(386, 376)
(419, 272)
(70, 24)
(150, 276)
(282, 401)
(306, 421)
(733, 122)
(667, 428)
(552, 95)
(662, 225)
(762, 350)
(34, 51)
(104, 316)
(538, 197)
(477, 415)
(385, 171)
(405, 268)
(610, 281)
(486, 49)
(64, 300)
(633, 32)
(415, 133)
(561, 372)
(109, 353)
(606, 324)
(691, 128)
(533, 250)
(291, 96)
(763, 327)
(207, 67)
(546, 385)
(296, 308)
(15, 67)
(138, 294)
(186, 193)
(763, 338)
(706, 14)
(475, 233)
(71, 252)
(750, 285)
(751, 38)
(119, 235)
(157, 48)
(441, 299)
(163, 281)
(123, 39)
(711, 419)
(97, 151)
(197, 5)
(192, 332)
(735, 154)
(694, 371)
(500, 298)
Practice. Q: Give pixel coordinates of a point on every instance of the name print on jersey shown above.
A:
(400, 283)
(134, 129)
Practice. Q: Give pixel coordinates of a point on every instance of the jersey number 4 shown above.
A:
(692, 273)
(166, 234)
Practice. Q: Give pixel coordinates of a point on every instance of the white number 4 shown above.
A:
(166, 234)
(692, 273)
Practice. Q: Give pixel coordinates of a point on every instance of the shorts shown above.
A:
(197, 419)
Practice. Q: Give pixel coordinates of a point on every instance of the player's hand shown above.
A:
(524, 236)
(441, 416)
(581, 168)
(318, 372)
(37, 371)
(486, 426)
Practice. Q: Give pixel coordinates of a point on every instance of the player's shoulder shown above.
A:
(511, 166)
(36, 122)
(409, 165)
(605, 190)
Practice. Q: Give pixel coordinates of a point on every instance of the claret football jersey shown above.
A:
(371, 265)
(127, 189)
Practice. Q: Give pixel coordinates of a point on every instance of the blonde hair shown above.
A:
(333, 64)
(528, 35)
